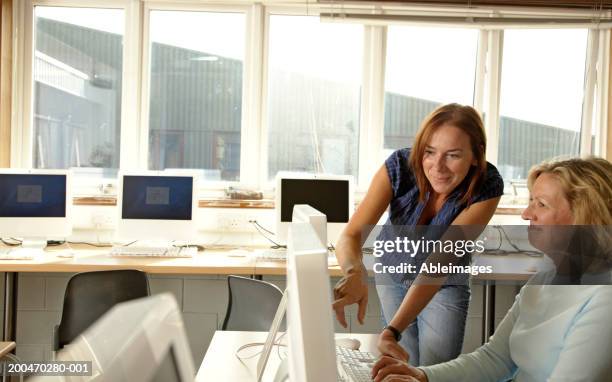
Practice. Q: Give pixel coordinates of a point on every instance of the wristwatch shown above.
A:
(396, 333)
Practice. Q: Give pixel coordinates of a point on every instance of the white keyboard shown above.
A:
(272, 254)
(281, 255)
(354, 365)
(139, 251)
(20, 253)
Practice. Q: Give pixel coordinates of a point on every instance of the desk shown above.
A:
(87, 259)
(221, 364)
(511, 267)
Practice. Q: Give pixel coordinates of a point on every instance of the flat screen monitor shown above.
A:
(139, 340)
(330, 194)
(156, 206)
(307, 302)
(312, 355)
(35, 205)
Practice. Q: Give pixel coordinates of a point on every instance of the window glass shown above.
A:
(77, 70)
(195, 104)
(425, 68)
(314, 90)
(542, 91)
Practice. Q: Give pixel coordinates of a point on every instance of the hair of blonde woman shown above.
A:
(465, 118)
(586, 184)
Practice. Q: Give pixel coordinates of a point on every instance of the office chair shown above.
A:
(252, 304)
(7, 357)
(91, 294)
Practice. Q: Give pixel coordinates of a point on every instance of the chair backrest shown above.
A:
(91, 294)
(252, 304)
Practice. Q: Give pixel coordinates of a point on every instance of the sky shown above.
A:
(542, 74)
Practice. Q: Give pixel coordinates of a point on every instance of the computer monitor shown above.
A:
(307, 302)
(156, 206)
(35, 205)
(303, 213)
(330, 194)
(138, 340)
(312, 355)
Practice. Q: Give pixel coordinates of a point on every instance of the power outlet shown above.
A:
(236, 222)
(102, 219)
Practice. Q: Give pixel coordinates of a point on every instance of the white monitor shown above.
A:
(303, 213)
(35, 205)
(330, 194)
(156, 206)
(312, 355)
(136, 341)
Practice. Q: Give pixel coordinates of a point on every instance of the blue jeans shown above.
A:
(437, 333)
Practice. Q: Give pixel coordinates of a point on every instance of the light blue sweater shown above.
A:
(551, 333)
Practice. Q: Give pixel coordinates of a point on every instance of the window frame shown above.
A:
(371, 74)
(253, 172)
(246, 125)
(22, 125)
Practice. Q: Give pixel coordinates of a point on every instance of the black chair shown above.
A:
(91, 294)
(252, 304)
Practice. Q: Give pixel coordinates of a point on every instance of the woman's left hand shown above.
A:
(388, 369)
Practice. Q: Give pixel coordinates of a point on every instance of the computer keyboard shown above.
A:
(281, 255)
(140, 251)
(272, 254)
(20, 253)
(354, 365)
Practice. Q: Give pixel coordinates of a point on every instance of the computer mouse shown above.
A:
(349, 343)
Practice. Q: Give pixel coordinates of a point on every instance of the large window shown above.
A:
(314, 89)
(425, 68)
(195, 104)
(77, 75)
(242, 90)
(542, 92)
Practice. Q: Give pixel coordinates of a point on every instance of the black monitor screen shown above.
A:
(331, 197)
(32, 196)
(157, 197)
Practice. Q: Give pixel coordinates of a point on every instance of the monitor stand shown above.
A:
(34, 243)
(31, 247)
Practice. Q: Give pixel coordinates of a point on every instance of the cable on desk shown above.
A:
(200, 248)
(257, 227)
(279, 346)
(516, 248)
(55, 243)
(253, 344)
(262, 227)
(10, 244)
(99, 245)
